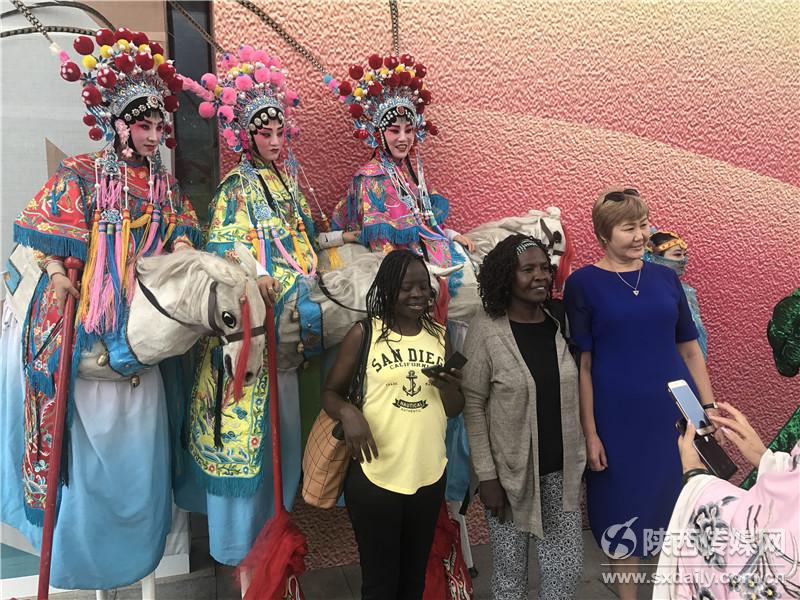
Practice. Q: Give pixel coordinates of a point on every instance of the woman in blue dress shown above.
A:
(632, 326)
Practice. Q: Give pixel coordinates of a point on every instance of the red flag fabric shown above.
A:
(276, 560)
(447, 576)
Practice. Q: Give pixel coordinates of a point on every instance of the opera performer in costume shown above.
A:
(258, 204)
(670, 250)
(108, 209)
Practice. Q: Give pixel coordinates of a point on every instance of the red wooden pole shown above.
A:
(274, 411)
(73, 265)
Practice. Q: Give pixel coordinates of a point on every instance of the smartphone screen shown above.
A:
(690, 406)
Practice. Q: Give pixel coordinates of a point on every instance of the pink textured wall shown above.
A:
(697, 104)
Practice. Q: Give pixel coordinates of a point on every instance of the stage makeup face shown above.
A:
(399, 138)
(269, 140)
(146, 134)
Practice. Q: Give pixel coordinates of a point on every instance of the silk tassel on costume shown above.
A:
(298, 252)
(113, 293)
(96, 288)
(154, 227)
(88, 272)
(244, 351)
(124, 248)
(314, 257)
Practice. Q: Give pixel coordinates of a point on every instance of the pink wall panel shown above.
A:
(695, 103)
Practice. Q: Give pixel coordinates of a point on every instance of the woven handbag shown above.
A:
(325, 458)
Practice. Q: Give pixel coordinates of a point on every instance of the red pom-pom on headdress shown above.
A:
(105, 37)
(83, 45)
(125, 63)
(171, 103)
(70, 71)
(166, 71)
(140, 38)
(356, 110)
(145, 61)
(356, 72)
(123, 33)
(91, 95)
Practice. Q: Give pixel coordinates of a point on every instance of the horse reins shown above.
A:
(212, 327)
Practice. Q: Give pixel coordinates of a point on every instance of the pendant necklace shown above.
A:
(635, 288)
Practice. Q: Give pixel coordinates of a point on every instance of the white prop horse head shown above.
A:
(178, 298)
(544, 225)
(187, 294)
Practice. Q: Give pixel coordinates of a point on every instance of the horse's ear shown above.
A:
(246, 260)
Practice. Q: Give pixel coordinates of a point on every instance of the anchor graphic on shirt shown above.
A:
(414, 389)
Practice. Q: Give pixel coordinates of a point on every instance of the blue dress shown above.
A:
(634, 354)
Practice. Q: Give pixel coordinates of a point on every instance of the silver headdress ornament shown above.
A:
(269, 107)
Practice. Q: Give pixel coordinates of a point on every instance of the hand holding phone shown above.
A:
(690, 406)
(456, 361)
(712, 455)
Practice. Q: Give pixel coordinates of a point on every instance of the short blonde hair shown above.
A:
(614, 206)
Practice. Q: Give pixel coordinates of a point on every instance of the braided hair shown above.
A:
(498, 270)
(382, 294)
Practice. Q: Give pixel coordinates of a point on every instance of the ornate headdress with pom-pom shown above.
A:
(126, 75)
(249, 91)
(387, 88)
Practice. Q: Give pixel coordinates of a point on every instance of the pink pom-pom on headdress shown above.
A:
(277, 78)
(228, 96)
(230, 138)
(228, 61)
(245, 53)
(262, 75)
(260, 56)
(244, 83)
(207, 110)
(226, 113)
(209, 81)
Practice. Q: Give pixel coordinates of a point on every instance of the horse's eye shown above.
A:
(228, 319)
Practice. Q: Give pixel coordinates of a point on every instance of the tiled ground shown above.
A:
(210, 581)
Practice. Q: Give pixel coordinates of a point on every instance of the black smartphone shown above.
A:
(711, 453)
(456, 361)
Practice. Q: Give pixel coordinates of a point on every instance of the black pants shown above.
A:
(394, 533)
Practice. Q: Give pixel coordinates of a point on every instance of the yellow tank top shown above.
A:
(404, 411)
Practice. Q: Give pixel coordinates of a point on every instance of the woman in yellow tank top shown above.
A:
(395, 484)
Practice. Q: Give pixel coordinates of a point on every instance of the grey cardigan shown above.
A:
(500, 417)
